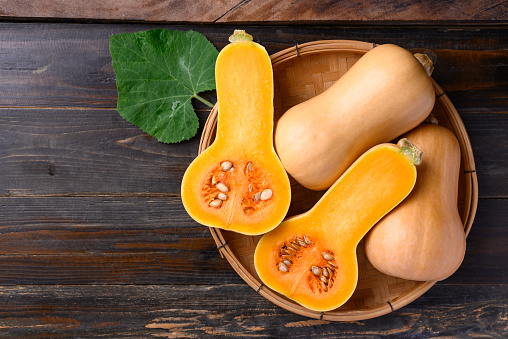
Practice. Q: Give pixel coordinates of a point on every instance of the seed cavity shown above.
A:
(327, 256)
(222, 196)
(226, 165)
(216, 203)
(266, 194)
(222, 187)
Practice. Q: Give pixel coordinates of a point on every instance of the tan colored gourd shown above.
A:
(311, 258)
(239, 183)
(385, 94)
(423, 238)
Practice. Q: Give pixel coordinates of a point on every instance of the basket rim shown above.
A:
(323, 46)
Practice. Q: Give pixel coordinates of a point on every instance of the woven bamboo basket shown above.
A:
(300, 73)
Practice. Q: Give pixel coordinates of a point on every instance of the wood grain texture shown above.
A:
(94, 240)
(261, 10)
(59, 65)
(235, 310)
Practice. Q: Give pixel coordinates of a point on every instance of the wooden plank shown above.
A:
(86, 152)
(61, 65)
(231, 310)
(261, 11)
(147, 240)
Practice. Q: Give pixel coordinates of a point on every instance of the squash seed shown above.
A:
(286, 262)
(327, 256)
(266, 194)
(222, 196)
(226, 165)
(316, 270)
(257, 196)
(302, 243)
(325, 273)
(307, 241)
(223, 188)
(249, 166)
(216, 203)
(331, 264)
(283, 267)
(231, 169)
(324, 286)
(323, 279)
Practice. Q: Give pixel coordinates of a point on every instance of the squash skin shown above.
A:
(385, 94)
(423, 238)
(379, 180)
(244, 134)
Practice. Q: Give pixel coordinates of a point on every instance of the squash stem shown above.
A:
(206, 102)
(240, 35)
(410, 151)
(426, 62)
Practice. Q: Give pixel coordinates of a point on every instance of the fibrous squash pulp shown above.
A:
(311, 258)
(238, 183)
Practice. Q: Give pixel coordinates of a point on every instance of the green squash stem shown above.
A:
(240, 35)
(410, 151)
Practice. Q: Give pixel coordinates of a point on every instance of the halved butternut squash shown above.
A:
(238, 183)
(311, 258)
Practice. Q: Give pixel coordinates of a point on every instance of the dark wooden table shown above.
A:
(94, 240)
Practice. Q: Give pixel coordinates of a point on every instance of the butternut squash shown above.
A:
(385, 94)
(239, 183)
(311, 258)
(423, 238)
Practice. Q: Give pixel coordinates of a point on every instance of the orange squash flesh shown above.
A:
(379, 180)
(423, 238)
(245, 139)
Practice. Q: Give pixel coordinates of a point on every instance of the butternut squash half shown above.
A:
(384, 95)
(423, 238)
(311, 258)
(239, 183)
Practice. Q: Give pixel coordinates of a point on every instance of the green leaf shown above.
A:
(158, 72)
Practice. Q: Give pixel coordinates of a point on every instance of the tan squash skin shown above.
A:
(423, 238)
(379, 180)
(385, 94)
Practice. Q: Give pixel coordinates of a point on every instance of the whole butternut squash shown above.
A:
(311, 258)
(423, 238)
(385, 94)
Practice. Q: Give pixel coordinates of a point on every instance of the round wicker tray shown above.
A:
(300, 73)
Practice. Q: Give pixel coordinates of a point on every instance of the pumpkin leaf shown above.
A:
(158, 72)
